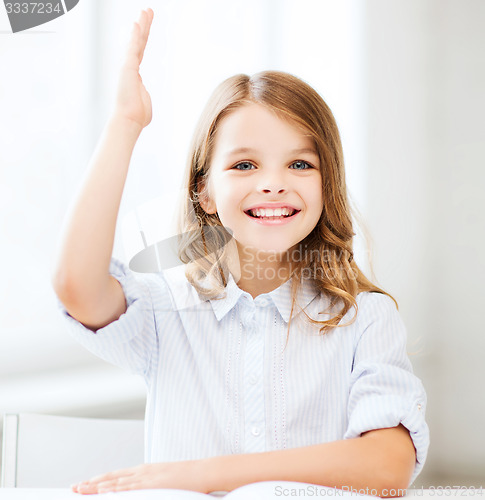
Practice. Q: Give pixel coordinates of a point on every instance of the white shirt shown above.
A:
(220, 380)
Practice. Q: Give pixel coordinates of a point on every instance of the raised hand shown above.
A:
(133, 101)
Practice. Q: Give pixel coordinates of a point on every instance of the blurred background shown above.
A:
(406, 82)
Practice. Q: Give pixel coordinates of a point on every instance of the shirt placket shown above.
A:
(254, 411)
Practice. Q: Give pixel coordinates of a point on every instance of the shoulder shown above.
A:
(370, 306)
(377, 315)
(183, 295)
(375, 303)
(142, 286)
(167, 290)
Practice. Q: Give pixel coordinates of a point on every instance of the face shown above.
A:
(264, 180)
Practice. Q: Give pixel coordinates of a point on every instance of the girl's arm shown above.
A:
(380, 462)
(81, 276)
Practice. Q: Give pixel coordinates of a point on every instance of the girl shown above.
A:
(269, 355)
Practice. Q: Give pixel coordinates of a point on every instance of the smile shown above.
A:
(272, 212)
(272, 215)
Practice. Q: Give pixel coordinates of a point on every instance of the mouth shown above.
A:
(272, 213)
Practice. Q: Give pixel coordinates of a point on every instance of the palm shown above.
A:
(133, 100)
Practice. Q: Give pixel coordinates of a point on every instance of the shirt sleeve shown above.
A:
(130, 341)
(384, 392)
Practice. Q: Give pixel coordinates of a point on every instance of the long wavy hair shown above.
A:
(326, 254)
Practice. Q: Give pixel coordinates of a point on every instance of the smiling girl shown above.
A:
(270, 357)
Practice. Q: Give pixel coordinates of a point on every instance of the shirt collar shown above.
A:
(186, 297)
(223, 303)
(281, 297)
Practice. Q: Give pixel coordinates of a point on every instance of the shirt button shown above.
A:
(419, 407)
(255, 431)
(253, 379)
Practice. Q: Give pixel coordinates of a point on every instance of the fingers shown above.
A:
(145, 22)
(110, 480)
(148, 18)
(113, 475)
(120, 484)
(139, 35)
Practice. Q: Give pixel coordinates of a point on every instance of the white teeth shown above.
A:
(270, 212)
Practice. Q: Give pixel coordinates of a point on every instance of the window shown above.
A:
(57, 89)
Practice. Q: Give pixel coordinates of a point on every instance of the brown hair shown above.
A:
(327, 252)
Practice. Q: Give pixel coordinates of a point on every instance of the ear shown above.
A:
(205, 200)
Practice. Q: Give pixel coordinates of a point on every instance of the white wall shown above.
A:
(56, 92)
(405, 79)
(425, 112)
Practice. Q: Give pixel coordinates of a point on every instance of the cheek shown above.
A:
(314, 196)
(316, 210)
(227, 192)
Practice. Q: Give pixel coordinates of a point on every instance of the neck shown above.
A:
(261, 272)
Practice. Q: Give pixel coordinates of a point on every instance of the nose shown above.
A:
(273, 189)
(273, 184)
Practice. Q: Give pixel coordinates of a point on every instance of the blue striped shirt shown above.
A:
(222, 379)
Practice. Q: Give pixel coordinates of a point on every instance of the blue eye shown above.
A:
(245, 165)
(300, 165)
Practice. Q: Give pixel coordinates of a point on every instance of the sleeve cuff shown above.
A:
(381, 412)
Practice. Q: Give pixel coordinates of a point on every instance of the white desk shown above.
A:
(36, 493)
(67, 494)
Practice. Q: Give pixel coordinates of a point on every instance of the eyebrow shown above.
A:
(252, 150)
